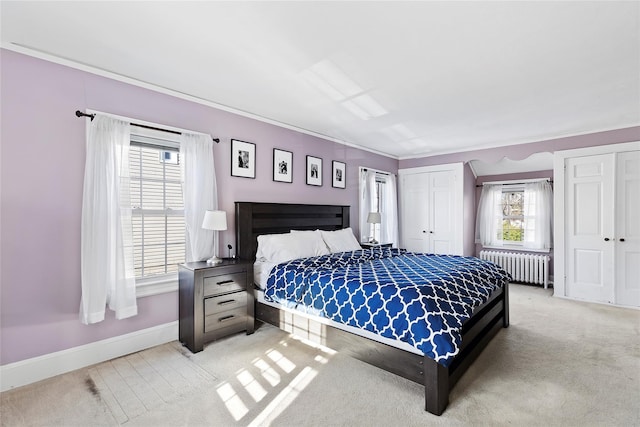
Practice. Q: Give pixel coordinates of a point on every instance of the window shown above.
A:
(515, 215)
(512, 204)
(157, 209)
(378, 194)
(134, 212)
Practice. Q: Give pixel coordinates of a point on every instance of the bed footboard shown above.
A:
(437, 379)
(477, 332)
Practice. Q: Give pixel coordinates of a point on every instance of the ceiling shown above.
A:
(406, 79)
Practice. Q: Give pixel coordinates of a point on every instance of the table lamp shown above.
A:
(374, 218)
(216, 221)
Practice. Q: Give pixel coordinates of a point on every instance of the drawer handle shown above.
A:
(227, 302)
(225, 282)
(224, 319)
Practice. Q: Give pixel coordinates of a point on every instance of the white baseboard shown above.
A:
(42, 367)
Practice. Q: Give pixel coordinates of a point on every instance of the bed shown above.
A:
(486, 319)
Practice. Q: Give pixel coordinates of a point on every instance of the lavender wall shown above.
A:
(42, 167)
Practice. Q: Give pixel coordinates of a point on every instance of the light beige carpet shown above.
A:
(560, 363)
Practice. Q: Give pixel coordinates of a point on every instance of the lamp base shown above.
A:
(214, 260)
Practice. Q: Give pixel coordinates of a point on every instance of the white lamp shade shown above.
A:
(215, 220)
(374, 218)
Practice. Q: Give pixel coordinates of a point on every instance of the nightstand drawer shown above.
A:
(226, 302)
(216, 285)
(226, 319)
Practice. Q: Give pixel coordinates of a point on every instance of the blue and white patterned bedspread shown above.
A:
(421, 299)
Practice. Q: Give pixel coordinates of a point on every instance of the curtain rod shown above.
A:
(376, 171)
(81, 114)
(516, 183)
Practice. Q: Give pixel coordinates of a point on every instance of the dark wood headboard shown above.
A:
(253, 219)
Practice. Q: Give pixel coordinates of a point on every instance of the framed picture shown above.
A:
(243, 159)
(339, 174)
(282, 165)
(314, 171)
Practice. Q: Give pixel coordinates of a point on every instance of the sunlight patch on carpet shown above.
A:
(285, 397)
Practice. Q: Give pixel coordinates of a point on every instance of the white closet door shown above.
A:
(589, 227)
(442, 232)
(628, 229)
(431, 212)
(415, 214)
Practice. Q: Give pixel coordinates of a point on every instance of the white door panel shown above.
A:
(590, 271)
(627, 270)
(441, 247)
(589, 228)
(441, 230)
(415, 190)
(588, 210)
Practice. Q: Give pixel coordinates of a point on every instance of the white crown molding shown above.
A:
(49, 365)
(521, 142)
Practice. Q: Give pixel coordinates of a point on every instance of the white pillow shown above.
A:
(316, 235)
(340, 240)
(279, 248)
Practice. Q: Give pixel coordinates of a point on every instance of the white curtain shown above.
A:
(388, 208)
(389, 212)
(199, 192)
(106, 269)
(489, 217)
(538, 215)
(367, 200)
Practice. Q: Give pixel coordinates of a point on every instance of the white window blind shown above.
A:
(157, 208)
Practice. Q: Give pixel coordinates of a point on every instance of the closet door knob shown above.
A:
(431, 232)
(424, 231)
(622, 240)
(606, 239)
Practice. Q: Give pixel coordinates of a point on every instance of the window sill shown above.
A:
(156, 287)
(517, 248)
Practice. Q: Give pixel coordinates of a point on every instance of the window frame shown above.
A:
(510, 187)
(159, 284)
(381, 181)
(514, 188)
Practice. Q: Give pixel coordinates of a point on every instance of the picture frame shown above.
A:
(338, 174)
(282, 165)
(314, 171)
(243, 159)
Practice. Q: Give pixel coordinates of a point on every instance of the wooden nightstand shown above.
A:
(367, 245)
(215, 301)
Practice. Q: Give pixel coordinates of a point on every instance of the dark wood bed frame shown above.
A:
(253, 219)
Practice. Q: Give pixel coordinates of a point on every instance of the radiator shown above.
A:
(524, 268)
